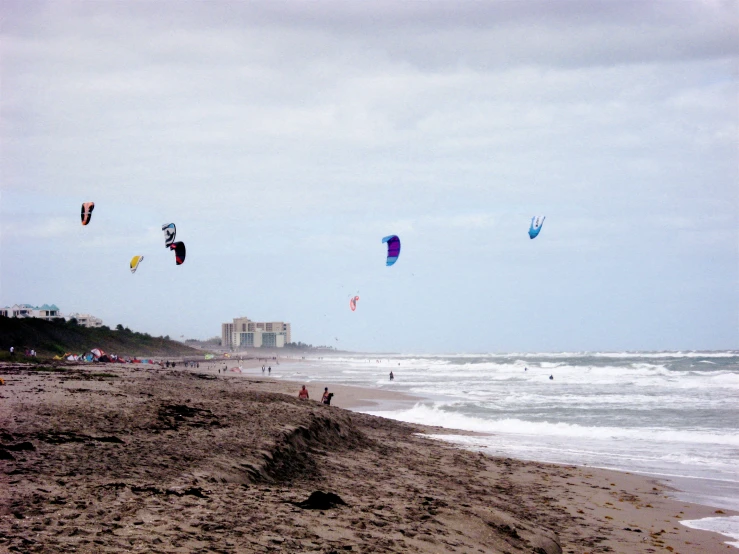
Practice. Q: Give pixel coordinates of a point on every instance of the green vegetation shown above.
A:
(211, 342)
(303, 347)
(50, 338)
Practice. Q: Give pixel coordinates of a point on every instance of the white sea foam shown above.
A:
(435, 415)
(660, 413)
(668, 414)
(728, 526)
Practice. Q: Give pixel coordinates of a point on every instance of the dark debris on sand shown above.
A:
(319, 500)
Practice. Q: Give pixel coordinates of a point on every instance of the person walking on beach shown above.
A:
(392, 376)
(303, 394)
(269, 370)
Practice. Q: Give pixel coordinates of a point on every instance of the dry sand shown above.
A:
(120, 458)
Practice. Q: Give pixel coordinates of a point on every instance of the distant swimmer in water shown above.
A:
(551, 377)
(392, 376)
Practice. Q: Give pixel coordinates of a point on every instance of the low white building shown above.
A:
(86, 320)
(47, 312)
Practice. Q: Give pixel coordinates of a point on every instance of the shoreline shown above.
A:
(382, 400)
(110, 458)
(360, 398)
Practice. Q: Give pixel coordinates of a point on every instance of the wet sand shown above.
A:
(118, 458)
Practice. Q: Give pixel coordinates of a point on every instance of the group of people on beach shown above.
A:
(28, 352)
(326, 399)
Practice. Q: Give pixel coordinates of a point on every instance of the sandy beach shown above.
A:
(113, 458)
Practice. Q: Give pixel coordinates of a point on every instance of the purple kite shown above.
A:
(393, 249)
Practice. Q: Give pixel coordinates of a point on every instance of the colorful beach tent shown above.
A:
(393, 249)
(536, 223)
(86, 213)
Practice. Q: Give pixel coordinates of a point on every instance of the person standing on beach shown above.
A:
(325, 399)
(269, 372)
(392, 376)
(303, 394)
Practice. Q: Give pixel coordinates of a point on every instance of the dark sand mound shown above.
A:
(320, 500)
(157, 461)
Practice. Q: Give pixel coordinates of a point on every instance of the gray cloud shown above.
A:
(284, 131)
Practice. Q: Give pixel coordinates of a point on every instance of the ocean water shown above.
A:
(674, 415)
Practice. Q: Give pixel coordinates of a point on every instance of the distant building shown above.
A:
(245, 333)
(227, 330)
(86, 320)
(46, 312)
(49, 313)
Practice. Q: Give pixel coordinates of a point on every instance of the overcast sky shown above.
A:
(285, 139)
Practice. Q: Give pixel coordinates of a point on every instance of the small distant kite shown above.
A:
(86, 212)
(135, 261)
(353, 303)
(536, 223)
(179, 252)
(170, 231)
(393, 249)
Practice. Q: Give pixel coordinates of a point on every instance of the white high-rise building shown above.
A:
(245, 333)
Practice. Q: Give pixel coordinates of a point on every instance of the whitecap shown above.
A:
(728, 526)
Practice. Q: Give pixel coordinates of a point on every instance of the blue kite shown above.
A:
(536, 223)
